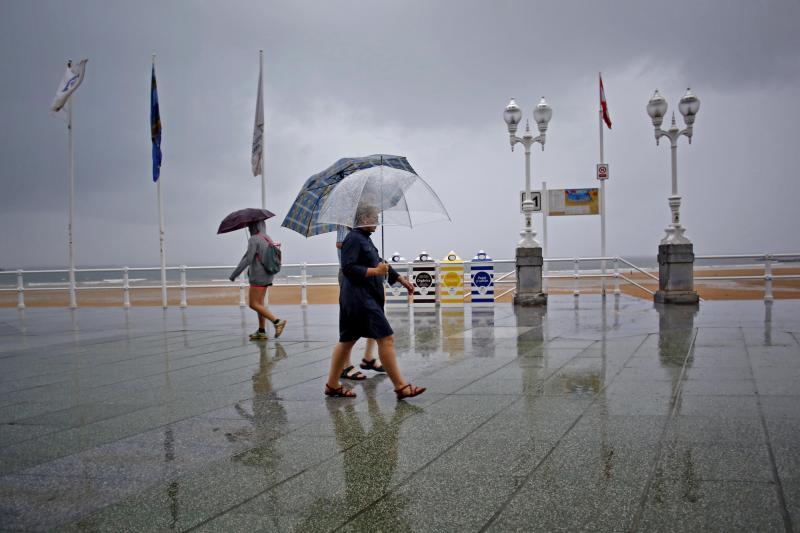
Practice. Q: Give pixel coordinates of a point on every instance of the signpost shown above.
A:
(602, 171)
(536, 197)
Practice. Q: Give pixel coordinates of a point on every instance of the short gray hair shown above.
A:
(363, 211)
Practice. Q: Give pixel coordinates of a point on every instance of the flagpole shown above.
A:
(161, 235)
(602, 205)
(263, 143)
(72, 300)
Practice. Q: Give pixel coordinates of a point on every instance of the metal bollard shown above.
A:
(20, 291)
(768, 297)
(576, 289)
(303, 284)
(616, 276)
(184, 303)
(126, 289)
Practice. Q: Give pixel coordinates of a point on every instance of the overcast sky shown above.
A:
(425, 79)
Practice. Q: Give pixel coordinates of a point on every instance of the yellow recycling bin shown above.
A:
(451, 281)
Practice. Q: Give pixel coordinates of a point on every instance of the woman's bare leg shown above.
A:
(339, 359)
(388, 357)
(257, 305)
(369, 350)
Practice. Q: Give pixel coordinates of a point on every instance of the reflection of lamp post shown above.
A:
(529, 251)
(675, 254)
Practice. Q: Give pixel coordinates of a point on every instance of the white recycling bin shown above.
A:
(396, 294)
(423, 275)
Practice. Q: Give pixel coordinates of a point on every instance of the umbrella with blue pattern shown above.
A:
(303, 214)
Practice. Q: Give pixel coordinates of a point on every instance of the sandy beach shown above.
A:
(722, 289)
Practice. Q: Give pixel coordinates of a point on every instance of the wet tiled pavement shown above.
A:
(589, 415)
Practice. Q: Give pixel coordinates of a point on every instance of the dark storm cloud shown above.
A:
(427, 79)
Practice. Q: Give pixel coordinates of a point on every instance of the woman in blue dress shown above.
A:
(361, 301)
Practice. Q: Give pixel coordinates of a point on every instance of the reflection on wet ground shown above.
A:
(587, 415)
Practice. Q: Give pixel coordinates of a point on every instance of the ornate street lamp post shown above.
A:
(529, 251)
(675, 253)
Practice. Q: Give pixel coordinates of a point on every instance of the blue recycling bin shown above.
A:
(482, 280)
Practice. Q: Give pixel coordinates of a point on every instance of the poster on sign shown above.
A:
(565, 202)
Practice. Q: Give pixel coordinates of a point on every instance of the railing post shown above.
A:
(576, 291)
(184, 303)
(242, 303)
(126, 288)
(303, 284)
(616, 276)
(768, 278)
(20, 291)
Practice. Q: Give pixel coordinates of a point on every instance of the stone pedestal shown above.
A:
(529, 278)
(676, 275)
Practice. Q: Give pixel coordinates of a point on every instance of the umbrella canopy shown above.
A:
(303, 215)
(242, 218)
(401, 197)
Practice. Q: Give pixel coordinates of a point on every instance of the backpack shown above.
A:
(272, 261)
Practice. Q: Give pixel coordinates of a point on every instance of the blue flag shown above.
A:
(155, 127)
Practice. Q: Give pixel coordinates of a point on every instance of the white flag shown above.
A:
(257, 158)
(72, 80)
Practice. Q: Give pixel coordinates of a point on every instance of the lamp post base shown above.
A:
(676, 275)
(529, 278)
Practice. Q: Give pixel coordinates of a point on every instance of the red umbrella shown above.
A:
(242, 218)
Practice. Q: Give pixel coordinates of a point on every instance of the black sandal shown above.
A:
(356, 376)
(339, 392)
(372, 364)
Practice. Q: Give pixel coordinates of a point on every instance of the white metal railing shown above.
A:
(304, 279)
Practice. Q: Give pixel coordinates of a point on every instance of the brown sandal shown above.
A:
(339, 392)
(409, 391)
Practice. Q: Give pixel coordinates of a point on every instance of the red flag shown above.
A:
(603, 105)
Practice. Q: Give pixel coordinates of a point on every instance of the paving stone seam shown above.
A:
(132, 379)
(524, 480)
(779, 492)
(172, 360)
(676, 397)
(407, 478)
(65, 345)
(88, 367)
(186, 394)
(245, 450)
(518, 399)
(93, 357)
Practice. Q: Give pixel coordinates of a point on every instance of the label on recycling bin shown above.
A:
(451, 281)
(423, 281)
(482, 280)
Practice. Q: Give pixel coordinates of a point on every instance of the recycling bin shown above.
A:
(451, 281)
(423, 275)
(482, 280)
(396, 295)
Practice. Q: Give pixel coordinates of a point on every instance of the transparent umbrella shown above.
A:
(402, 198)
